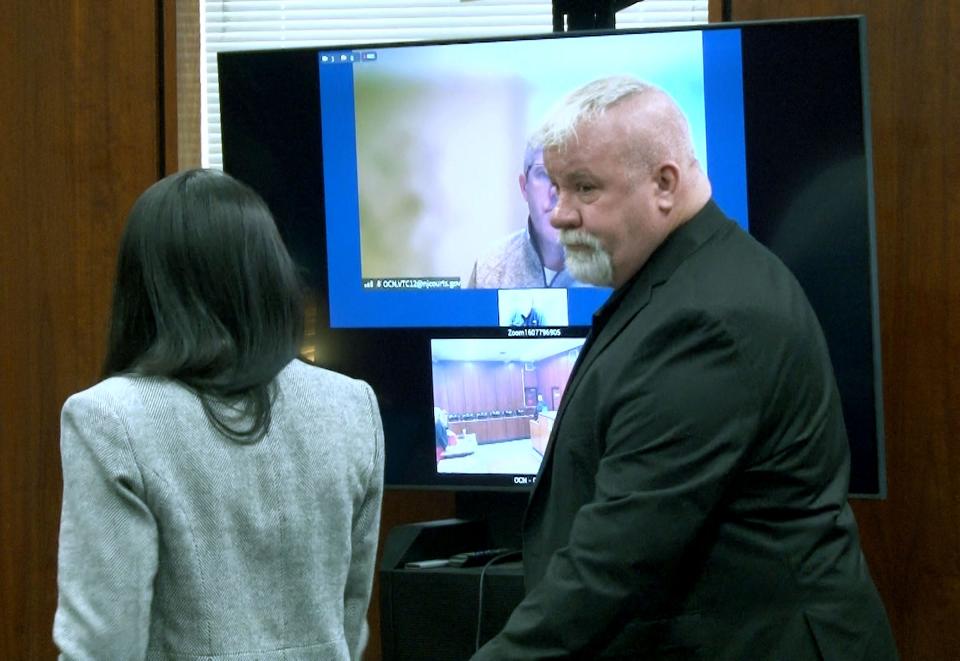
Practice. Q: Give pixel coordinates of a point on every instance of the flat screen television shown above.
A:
(391, 167)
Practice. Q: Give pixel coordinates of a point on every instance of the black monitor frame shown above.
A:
(809, 185)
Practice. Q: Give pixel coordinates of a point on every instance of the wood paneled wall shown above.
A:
(81, 138)
(912, 539)
(554, 372)
(488, 386)
(479, 386)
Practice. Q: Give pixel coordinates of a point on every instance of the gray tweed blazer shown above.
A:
(178, 543)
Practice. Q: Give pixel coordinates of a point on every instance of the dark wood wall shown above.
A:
(80, 139)
(81, 111)
(912, 539)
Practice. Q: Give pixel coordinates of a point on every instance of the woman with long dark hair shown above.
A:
(221, 498)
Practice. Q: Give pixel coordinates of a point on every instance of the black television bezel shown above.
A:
(270, 128)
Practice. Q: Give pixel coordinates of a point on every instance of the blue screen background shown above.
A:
(702, 70)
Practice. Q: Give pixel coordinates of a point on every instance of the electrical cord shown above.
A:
(492, 561)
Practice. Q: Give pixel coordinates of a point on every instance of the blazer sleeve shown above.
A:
(108, 537)
(680, 416)
(365, 535)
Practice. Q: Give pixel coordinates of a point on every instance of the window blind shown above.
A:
(227, 25)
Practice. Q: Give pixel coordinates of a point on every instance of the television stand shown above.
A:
(432, 612)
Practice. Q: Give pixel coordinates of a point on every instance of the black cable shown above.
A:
(495, 559)
(726, 11)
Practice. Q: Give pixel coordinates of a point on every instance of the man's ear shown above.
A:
(667, 179)
(522, 180)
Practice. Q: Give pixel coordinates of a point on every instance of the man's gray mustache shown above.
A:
(575, 238)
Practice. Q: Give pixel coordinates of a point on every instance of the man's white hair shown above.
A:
(669, 136)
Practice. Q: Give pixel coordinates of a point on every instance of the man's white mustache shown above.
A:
(577, 238)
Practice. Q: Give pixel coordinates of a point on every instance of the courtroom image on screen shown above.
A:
(495, 401)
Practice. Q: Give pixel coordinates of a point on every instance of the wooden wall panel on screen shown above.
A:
(456, 390)
(912, 540)
(440, 387)
(509, 387)
(472, 387)
(488, 385)
(554, 372)
(80, 117)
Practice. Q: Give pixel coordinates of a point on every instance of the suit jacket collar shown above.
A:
(628, 300)
(633, 295)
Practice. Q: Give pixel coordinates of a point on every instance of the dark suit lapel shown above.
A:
(626, 303)
(607, 324)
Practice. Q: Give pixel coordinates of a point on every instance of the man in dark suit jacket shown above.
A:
(692, 503)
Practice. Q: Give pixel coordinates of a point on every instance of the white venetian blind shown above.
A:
(261, 24)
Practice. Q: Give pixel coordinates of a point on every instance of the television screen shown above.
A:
(404, 181)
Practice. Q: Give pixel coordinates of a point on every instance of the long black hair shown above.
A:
(206, 294)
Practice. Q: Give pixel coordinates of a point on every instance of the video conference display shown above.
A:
(433, 169)
(404, 183)
(495, 401)
(427, 143)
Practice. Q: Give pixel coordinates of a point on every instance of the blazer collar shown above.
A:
(676, 248)
(628, 300)
(634, 295)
